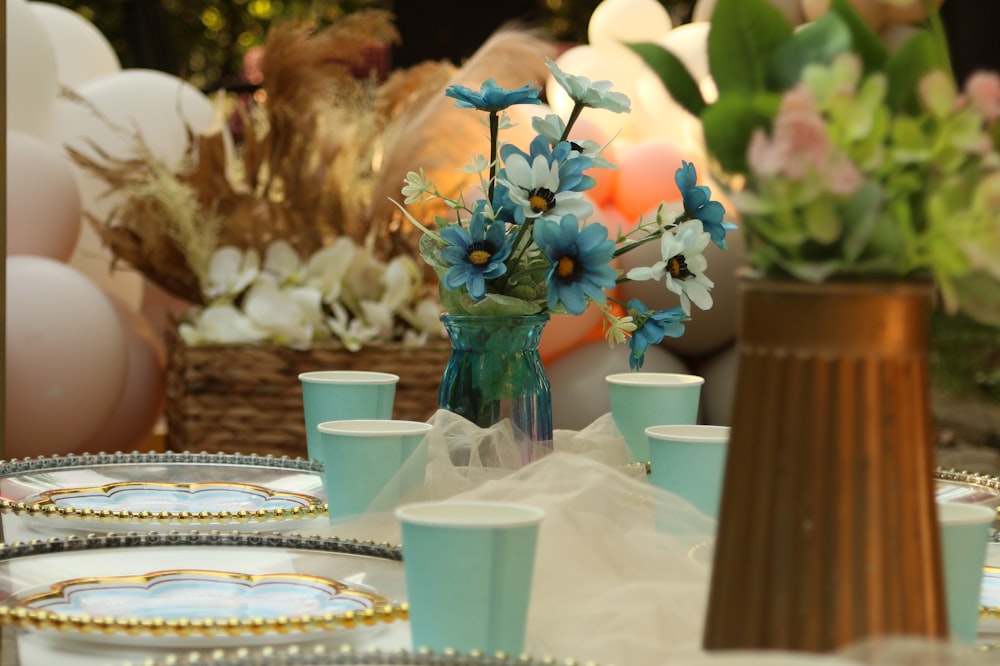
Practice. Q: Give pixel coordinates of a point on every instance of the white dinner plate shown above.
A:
(196, 590)
(144, 492)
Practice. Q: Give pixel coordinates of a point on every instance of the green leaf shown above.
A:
(911, 61)
(744, 37)
(865, 42)
(675, 77)
(818, 42)
(978, 297)
(729, 123)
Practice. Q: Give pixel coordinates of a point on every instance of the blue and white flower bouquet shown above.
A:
(525, 242)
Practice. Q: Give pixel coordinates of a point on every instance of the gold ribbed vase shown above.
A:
(827, 529)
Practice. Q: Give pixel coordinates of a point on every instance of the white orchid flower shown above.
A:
(290, 314)
(223, 324)
(230, 271)
(282, 263)
(401, 279)
(683, 266)
(326, 268)
(353, 333)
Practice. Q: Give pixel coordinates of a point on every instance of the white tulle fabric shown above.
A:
(622, 568)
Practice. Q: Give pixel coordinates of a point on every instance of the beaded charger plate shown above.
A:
(967, 487)
(324, 655)
(200, 590)
(144, 492)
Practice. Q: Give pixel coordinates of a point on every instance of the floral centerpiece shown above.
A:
(848, 161)
(523, 246)
(863, 178)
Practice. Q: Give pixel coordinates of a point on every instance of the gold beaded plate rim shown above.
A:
(40, 505)
(986, 484)
(17, 611)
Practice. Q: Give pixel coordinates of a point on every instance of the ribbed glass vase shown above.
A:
(495, 372)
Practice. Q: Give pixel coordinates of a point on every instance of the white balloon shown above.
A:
(161, 108)
(689, 42)
(719, 371)
(32, 81)
(585, 60)
(579, 392)
(615, 23)
(82, 51)
(656, 114)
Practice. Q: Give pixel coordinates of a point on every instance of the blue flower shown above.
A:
(581, 262)
(492, 97)
(475, 255)
(698, 204)
(651, 328)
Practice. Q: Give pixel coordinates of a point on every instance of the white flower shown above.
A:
(552, 128)
(326, 268)
(401, 280)
(230, 271)
(353, 333)
(617, 329)
(596, 94)
(534, 188)
(223, 324)
(282, 263)
(683, 266)
(379, 317)
(417, 188)
(290, 314)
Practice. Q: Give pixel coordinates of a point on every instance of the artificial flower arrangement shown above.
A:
(847, 161)
(524, 244)
(340, 292)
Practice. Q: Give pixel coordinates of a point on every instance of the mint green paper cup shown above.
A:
(965, 533)
(337, 395)
(643, 399)
(362, 459)
(468, 568)
(690, 461)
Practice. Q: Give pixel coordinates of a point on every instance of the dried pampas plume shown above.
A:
(440, 138)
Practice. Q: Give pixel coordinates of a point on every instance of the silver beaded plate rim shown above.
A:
(16, 467)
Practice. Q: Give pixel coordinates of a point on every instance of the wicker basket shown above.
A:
(245, 398)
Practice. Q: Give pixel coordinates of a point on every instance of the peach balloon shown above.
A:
(43, 201)
(586, 130)
(66, 357)
(646, 177)
(564, 333)
(131, 423)
(910, 12)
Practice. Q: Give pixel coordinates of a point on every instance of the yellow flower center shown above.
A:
(677, 267)
(479, 257)
(565, 267)
(541, 200)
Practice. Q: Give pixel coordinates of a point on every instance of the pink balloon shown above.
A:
(66, 357)
(43, 201)
(131, 423)
(646, 177)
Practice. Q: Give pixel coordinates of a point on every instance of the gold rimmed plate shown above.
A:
(192, 590)
(967, 487)
(101, 493)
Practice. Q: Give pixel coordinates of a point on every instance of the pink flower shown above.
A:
(798, 145)
(843, 177)
(983, 89)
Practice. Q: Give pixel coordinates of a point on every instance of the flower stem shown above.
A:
(573, 115)
(494, 135)
(940, 37)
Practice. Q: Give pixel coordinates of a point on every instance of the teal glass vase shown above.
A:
(495, 372)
